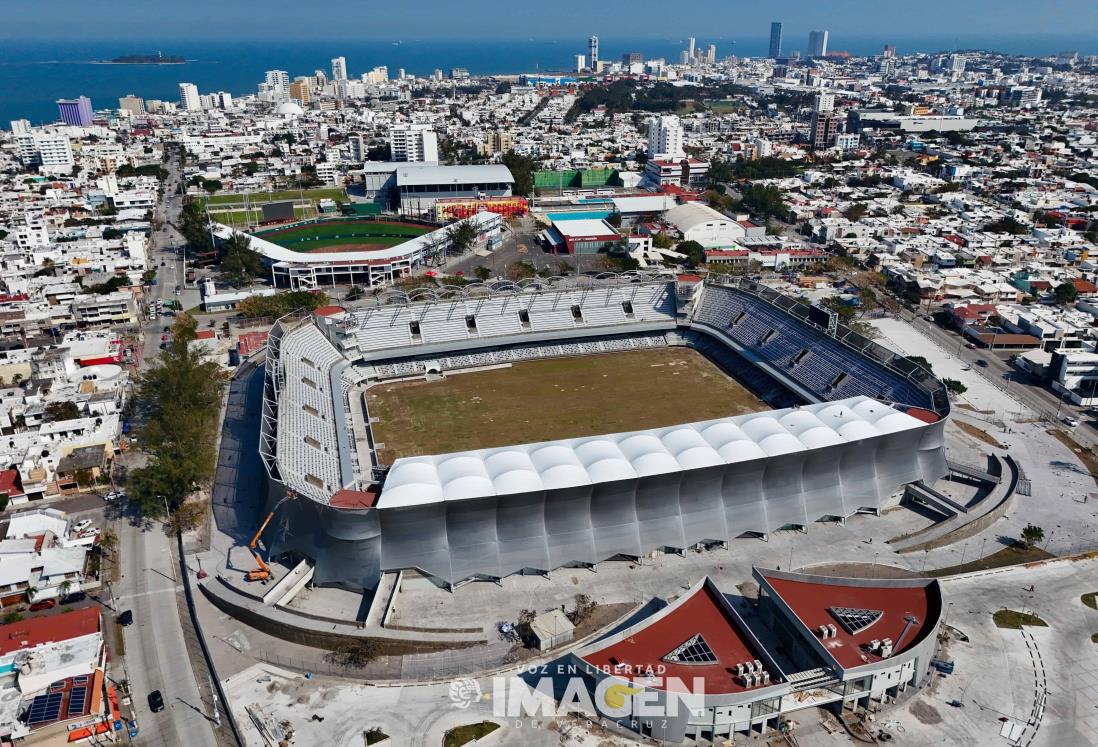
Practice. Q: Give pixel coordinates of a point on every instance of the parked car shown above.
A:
(114, 495)
(126, 618)
(82, 525)
(1071, 422)
(169, 313)
(76, 596)
(45, 604)
(156, 701)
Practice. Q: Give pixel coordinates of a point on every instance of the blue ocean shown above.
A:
(37, 73)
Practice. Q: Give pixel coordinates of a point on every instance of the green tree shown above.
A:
(181, 394)
(461, 235)
(482, 273)
(522, 170)
(194, 226)
(765, 201)
(856, 212)
(955, 386)
(695, 252)
(839, 306)
(1065, 293)
(239, 262)
(1032, 534)
(1007, 225)
(919, 360)
(58, 411)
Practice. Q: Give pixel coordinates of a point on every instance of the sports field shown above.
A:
(552, 399)
(337, 234)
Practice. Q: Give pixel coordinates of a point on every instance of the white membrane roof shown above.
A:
(574, 462)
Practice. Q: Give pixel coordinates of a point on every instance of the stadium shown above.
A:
(326, 252)
(477, 432)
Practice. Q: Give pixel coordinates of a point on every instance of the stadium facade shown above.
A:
(855, 424)
(298, 270)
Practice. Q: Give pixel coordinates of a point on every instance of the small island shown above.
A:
(148, 59)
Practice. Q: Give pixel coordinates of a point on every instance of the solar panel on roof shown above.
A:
(45, 708)
(855, 620)
(77, 701)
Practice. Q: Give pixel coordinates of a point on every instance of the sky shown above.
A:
(152, 20)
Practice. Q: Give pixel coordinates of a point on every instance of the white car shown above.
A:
(114, 495)
(82, 525)
(1071, 422)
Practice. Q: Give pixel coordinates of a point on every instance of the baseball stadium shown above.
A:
(342, 234)
(475, 432)
(335, 251)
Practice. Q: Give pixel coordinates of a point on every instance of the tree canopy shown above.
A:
(240, 262)
(181, 396)
(281, 304)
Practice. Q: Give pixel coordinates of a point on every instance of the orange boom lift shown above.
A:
(263, 572)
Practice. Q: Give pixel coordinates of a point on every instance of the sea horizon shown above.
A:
(41, 71)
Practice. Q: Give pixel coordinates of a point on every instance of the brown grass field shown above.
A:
(552, 399)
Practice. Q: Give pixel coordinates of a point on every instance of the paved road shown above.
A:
(156, 655)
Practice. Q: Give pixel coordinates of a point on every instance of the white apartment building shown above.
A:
(339, 68)
(416, 143)
(278, 79)
(189, 100)
(51, 153)
(665, 138)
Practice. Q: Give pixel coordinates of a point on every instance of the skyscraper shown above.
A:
(817, 43)
(825, 123)
(691, 47)
(279, 79)
(76, 112)
(775, 40)
(593, 53)
(339, 68)
(132, 104)
(413, 142)
(189, 99)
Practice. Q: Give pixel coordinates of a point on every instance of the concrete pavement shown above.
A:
(156, 655)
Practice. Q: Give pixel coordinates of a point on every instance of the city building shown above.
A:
(775, 40)
(277, 79)
(415, 143)
(632, 58)
(339, 68)
(581, 63)
(593, 53)
(189, 100)
(76, 112)
(817, 44)
(135, 105)
(698, 222)
(299, 91)
(665, 138)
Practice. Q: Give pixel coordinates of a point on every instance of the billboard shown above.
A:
(278, 211)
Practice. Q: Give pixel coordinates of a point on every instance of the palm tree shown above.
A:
(64, 588)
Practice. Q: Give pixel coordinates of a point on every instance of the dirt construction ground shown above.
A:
(553, 399)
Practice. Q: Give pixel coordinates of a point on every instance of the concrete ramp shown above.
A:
(289, 585)
(975, 473)
(923, 493)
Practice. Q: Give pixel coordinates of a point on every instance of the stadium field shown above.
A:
(342, 235)
(553, 399)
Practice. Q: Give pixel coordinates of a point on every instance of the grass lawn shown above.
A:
(240, 218)
(259, 198)
(1014, 620)
(1091, 600)
(1086, 456)
(553, 399)
(464, 734)
(1007, 556)
(977, 433)
(339, 232)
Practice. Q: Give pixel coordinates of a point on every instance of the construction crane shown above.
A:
(263, 572)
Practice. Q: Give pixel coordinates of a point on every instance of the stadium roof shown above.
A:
(691, 214)
(427, 174)
(598, 459)
(585, 228)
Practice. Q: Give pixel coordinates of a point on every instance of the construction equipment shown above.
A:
(263, 572)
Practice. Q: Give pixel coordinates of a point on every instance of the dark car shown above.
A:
(76, 596)
(45, 604)
(981, 363)
(156, 701)
(126, 618)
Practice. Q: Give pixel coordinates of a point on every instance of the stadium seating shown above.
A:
(534, 311)
(831, 370)
(308, 451)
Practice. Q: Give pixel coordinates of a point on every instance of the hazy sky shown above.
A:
(418, 19)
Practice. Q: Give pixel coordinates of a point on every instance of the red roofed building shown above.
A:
(716, 665)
